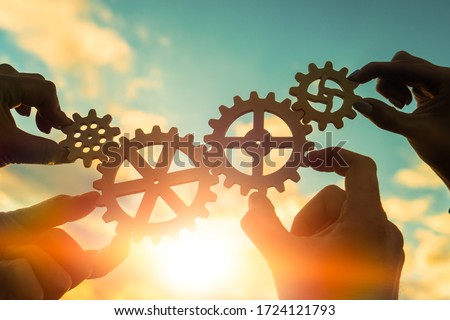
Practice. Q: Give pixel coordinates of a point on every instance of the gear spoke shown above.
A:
(258, 163)
(125, 188)
(165, 157)
(183, 176)
(146, 206)
(258, 119)
(173, 200)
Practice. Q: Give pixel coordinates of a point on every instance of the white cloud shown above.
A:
(61, 34)
(406, 210)
(131, 119)
(421, 176)
(153, 81)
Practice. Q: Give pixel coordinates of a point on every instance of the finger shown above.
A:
(54, 280)
(397, 93)
(7, 69)
(40, 94)
(107, 259)
(23, 110)
(22, 147)
(67, 253)
(320, 212)
(264, 228)
(403, 55)
(361, 183)
(387, 117)
(42, 124)
(18, 281)
(48, 214)
(400, 71)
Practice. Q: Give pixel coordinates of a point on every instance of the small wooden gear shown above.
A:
(86, 136)
(325, 95)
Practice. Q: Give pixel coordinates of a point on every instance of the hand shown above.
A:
(341, 245)
(427, 127)
(38, 261)
(21, 91)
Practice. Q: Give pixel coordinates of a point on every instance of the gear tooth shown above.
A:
(214, 123)
(295, 177)
(190, 138)
(139, 133)
(76, 117)
(115, 131)
(299, 76)
(237, 100)
(211, 196)
(244, 190)
(203, 213)
(92, 113)
(138, 237)
(286, 103)
(293, 91)
(352, 114)
(296, 106)
(207, 138)
(156, 130)
(223, 109)
(172, 131)
(254, 95)
(328, 65)
(107, 217)
(271, 96)
(322, 126)
(107, 118)
(228, 183)
(312, 67)
(156, 238)
(343, 72)
(98, 184)
(87, 162)
(338, 123)
(280, 187)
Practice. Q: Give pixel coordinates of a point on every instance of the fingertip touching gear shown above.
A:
(86, 136)
(325, 95)
(257, 143)
(155, 182)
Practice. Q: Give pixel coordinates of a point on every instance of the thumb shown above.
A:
(264, 228)
(47, 214)
(384, 116)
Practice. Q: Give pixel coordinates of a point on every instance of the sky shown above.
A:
(172, 64)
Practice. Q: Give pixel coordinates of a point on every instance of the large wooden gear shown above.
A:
(155, 182)
(258, 142)
(324, 95)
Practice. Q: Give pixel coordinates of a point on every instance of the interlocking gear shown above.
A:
(86, 136)
(155, 181)
(258, 142)
(325, 95)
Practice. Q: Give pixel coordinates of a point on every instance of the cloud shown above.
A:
(60, 33)
(152, 81)
(421, 176)
(131, 119)
(406, 210)
(165, 41)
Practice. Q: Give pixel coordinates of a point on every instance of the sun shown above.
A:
(196, 263)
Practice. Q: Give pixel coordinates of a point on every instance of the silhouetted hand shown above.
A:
(341, 244)
(38, 261)
(427, 128)
(23, 91)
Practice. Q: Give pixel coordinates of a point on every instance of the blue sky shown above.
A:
(174, 63)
